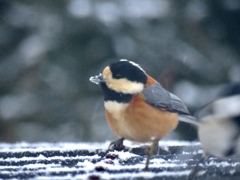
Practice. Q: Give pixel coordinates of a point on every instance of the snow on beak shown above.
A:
(97, 79)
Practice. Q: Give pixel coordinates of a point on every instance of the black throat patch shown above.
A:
(111, 95)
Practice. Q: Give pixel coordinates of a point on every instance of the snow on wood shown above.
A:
(93, 161)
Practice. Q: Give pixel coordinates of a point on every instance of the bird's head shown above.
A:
(122, 76)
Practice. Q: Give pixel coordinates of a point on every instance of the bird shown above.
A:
(137, 107)
(221, 120)
(219, 126)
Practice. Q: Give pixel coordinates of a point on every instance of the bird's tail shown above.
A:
(189, 119)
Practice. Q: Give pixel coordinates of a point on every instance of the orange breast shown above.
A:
(141, 122)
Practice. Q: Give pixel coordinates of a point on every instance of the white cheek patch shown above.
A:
(125, 86)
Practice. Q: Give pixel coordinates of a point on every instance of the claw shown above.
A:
(117, 145)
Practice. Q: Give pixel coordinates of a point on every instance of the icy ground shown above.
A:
(94, 161)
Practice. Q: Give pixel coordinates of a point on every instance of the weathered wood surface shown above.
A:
(94, 161)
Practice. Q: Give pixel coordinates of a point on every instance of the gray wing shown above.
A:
(178, 105)
(158, 97)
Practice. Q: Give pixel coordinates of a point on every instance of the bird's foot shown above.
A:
(150, 151)
(117, 145)
(194, 171)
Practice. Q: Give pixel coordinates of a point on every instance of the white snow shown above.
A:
(35, 147)
(222, 164)
(113, 168)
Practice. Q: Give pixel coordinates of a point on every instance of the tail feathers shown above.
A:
(189, 119)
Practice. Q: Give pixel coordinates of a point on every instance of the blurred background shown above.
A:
(49, 49)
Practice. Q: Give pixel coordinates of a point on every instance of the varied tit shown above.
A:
(219, 126)
(137, 107)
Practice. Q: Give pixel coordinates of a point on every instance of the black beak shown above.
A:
(97, 79)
